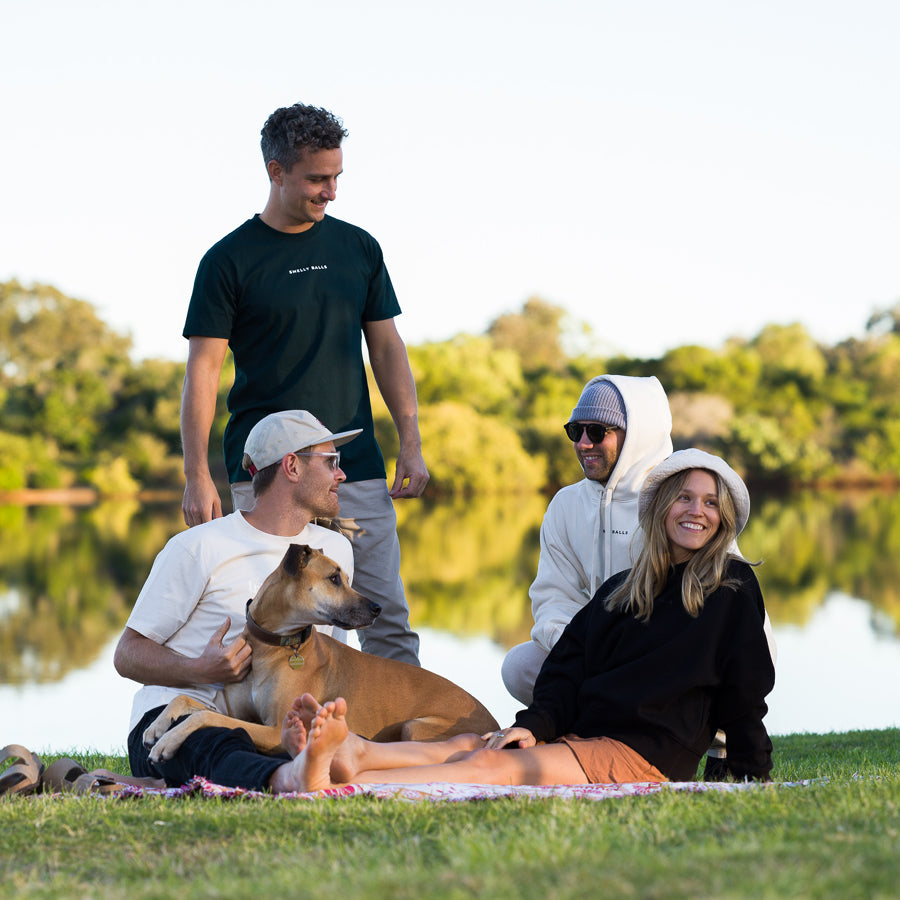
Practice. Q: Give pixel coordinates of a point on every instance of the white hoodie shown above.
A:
(590, 530)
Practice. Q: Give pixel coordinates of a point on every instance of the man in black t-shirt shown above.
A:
(291, 291)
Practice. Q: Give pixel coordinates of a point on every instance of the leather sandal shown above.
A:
(22, 777)
(61, 775)
(67, 776)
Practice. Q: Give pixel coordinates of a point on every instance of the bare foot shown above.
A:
(294, 730)
(348, 758)
(357, 754)
(307, 706)
(346, 761)
(311, 770)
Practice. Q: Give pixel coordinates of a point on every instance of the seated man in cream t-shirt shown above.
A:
(184, 634)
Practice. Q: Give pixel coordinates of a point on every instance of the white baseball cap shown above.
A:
(278, 434)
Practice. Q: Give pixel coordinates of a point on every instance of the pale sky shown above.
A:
(670, 172)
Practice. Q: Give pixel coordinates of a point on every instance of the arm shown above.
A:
(198, 408)
(390, 365)
(143, 660)
(554, 707)
(560, 587)
(742, 704)
(748, 678)
(735, 551)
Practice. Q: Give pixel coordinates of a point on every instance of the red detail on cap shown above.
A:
(252, 469)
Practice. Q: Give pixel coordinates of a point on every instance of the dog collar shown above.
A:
(280, 640)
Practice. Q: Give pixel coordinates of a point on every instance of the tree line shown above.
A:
(77, 410)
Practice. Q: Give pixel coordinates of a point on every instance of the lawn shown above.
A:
(837, 837)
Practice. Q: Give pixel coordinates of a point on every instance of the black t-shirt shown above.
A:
(292, 308)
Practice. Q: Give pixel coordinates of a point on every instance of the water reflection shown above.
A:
(815, 543)
(830, 576)
(467, 564)
(834, 672)
(68, 579)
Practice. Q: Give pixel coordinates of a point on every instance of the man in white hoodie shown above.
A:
(620, 428)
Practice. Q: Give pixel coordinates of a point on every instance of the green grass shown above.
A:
(836, 838)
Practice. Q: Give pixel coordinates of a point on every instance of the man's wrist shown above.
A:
(194, 472)
(410, 440)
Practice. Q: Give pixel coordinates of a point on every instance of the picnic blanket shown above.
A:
(443, 791)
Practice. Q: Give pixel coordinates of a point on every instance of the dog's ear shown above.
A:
(296, 558)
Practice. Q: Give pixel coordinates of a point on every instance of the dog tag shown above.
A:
(295, 660)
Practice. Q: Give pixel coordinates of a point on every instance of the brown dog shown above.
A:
(387, 700)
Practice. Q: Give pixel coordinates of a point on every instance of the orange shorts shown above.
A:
(606, 761)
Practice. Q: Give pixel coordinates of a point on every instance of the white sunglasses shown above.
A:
(334, 456)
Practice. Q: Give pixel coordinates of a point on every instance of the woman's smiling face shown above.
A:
(693, 519)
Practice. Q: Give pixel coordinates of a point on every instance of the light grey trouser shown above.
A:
(369, 521)
(520, 668)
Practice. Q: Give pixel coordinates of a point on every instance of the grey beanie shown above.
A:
(600, 401)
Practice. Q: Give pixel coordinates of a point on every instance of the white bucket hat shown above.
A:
(278, 434)
(696, 459)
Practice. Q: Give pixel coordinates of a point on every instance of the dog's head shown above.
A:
(308, 588)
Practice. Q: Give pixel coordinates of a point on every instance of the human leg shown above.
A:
(295, 728)
(225, 756)
(312, 770)
(520, 669)
(369, 521)
(138, 754)
(608, 761)
(541, 764)
(357, 753)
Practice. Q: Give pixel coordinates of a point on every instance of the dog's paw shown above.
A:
(156, 730)
(164, 749)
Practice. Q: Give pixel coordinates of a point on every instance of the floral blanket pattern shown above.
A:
(442, 791)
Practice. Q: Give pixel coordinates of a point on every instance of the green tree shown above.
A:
(884, 319)
(790, 355)
(473, 454)
(534, 335)
(691, 368)
(60, 365)
(468, 370)
(74, 404)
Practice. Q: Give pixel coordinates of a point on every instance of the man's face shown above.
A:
(598, 460)
(305, 191)
(317, 489)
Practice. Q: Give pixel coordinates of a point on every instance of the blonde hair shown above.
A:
(704, 571)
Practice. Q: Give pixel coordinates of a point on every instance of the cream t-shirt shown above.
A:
(202, 576)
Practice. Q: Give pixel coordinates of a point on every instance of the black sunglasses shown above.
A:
(596, 433)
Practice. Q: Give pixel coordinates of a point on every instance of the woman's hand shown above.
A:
(521, 737)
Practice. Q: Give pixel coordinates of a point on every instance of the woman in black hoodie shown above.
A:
(663, 656)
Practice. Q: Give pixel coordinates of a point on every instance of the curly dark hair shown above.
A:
(292, 129)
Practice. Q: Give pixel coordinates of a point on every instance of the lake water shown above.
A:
(830, 575)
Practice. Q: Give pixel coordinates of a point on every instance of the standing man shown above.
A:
(620, 429)
(291, 292)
